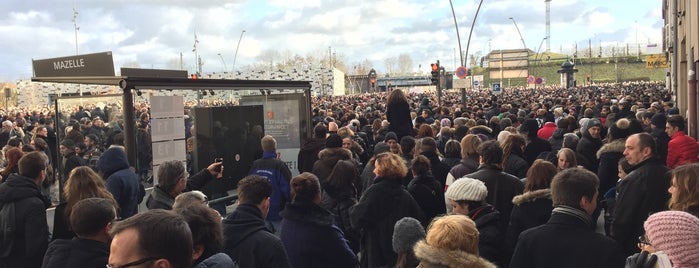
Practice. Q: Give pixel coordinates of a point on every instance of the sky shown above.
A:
(154, 33)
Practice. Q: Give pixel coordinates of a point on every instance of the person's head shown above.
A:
(469, 145)
(347, 143)
(425, 130)
(466, 194)
(39, 144)
(453, 233)
(33, 165)
(566, 159)
(674, 124)
(452, 149)
(685, 187)
(156, 237)
(638, 148)
(677, 234)
(15, 142)
(305, 188)
(390, 166)
(658, 121)
(407, 145)
(320, 131)
(396, 96)
(570, 140)
(406, 232)
(575, 187)
(392, 140)
(343, 174)
(206, 228)
(190, 198)
(491, 153)
(623, 168)
(593, 127)
(172, 177)
(12, 157)
(91, 140)
(83, 182)
(428, 144)
(92, 218)
(269, 144)
(539, 175)
(66, 148)
(420, 165)
(255, 190)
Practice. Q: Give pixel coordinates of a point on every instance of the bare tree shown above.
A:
(405, 64)
(268, 57)
(390, 65)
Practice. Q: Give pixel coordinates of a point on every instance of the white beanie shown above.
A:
(467, 189)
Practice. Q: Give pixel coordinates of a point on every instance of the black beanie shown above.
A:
(333, 141)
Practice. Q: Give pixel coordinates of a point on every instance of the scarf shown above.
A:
(577, 213)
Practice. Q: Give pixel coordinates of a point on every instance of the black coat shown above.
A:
(327, 158)
(429, 195)
(32, 232)
(565, 241)
(641, 193)
(490, 237)
(61, 228)
(516, 166)
(381, 206)
(439, 169)
(556, 140)
(308, 154)
(339, 200)
(76, 253)
(398, 115)
(502, 187)
(249, 243)
(661, 142)
(535, 147)
(531, 209)
(588, 147)
(608, 171)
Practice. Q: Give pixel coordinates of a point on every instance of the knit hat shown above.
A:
(380, 147)
(333, 141)
(406, 233)
(620, 129)
(391, 136)
(467, 189)
(677, 234)
(68, 143)
(659, 120)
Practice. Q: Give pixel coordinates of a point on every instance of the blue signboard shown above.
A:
(496, 88)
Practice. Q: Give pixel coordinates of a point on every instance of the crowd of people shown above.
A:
(388, 179)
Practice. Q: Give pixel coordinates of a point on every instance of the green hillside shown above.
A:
(601, 70)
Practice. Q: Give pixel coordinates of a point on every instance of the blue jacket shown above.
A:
(278, 173)
(122, 182)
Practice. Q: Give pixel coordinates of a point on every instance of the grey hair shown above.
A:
(169, 173)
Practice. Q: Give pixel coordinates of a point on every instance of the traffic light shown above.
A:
(435, 73)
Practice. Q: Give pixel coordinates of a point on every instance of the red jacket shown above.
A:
(547, 131)
(681, 150)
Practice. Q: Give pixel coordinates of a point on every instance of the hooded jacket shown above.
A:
(308, 154)
(432, 257)
(556, 139)
(312, 240)
(327, 158)
(588, 146)
(531, 209)
(121, 181)
(32, 232)
(608, 171)
(249, 243)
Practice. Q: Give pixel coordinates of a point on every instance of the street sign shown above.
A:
(496, 88)
(461, 72)
(656, 61)
(96, 64)
(475, 83)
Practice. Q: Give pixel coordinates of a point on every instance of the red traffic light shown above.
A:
(434, 66)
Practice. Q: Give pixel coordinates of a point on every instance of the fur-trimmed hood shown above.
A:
(616, 146)
(481, 129)
(340, 153)
(531, 196)
(430, 256)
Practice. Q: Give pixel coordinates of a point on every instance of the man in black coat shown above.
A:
(90, 219)
(502, 187)
(71, 159)
(558, 243)
(641, 193)
(245, 238)
(308, 154)
(31, 232)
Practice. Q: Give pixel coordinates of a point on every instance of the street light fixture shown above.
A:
(235, 57)
(225, 67)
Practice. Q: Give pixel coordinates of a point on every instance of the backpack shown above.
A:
(7, 228)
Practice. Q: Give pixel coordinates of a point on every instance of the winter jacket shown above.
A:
(339, 200)
(451, 161)
(279, 175)
(218, 260)
(556, 139)
(381, 206)
(547, 131)
(433, 257)
(160, 199)
(121, 181)
(516, 166)
(76, 252)
(31, 231)
(312, 240)
(308, 154)
(466, 166)
(61, 230)
(661, 142)
(535, 147)
(502, 187)
(641, 193)
(588, 147)
(249, 243)
(681, 150)
(71, 163)
(560, 243)
(608, 171)
(327, 158)
(439, 169)
(491, 234)
(429, 195)
(531, 209)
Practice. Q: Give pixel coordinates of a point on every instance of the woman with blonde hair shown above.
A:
(566, 159)
(684, 189)
(452, 241)
(82, 183)
(384, 203)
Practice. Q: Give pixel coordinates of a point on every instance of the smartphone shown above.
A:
(218, 160)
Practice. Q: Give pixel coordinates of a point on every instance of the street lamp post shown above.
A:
(225, 67)
(235, 57)
(523, 44)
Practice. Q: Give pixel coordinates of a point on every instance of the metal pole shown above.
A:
(225, 67)
(458, 37)
(468, 43)
(523, 44)
(235, 57)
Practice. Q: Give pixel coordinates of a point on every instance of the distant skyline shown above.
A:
(153, 33)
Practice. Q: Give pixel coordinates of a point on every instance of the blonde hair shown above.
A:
(269, 144)
(82, 183)
(685, 179)
(469, 145)
(392, 166)
(453, 232)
